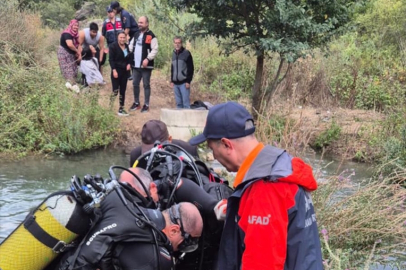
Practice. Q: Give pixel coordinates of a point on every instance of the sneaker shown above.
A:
(130, 78)
(135, 106)
(115, 92)
(145, 108)
(122, 112)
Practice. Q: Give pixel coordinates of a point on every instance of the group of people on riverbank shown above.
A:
(131, 48)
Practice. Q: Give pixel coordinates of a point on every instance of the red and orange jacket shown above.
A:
(271, 223)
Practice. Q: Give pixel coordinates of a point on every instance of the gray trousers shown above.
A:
(145, 75)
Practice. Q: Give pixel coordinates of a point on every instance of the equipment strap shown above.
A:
(31, 225)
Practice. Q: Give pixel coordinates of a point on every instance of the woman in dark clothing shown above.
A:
(119, 58)
(68, 54)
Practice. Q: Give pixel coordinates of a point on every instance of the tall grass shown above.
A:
(361, 223)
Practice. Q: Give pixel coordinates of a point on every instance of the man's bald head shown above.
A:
(179, 218)
(145, 178)
(191, 218)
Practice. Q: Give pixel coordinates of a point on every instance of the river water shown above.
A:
(24, 184)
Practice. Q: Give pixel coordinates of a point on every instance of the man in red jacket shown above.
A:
(270, 221)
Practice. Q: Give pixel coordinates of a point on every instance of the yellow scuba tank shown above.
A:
(44, 233)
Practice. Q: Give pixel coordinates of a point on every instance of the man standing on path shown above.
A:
(270, 221)
(182, 70)
(144, 46)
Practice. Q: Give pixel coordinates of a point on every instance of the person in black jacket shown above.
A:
(182, 70)
(119, 59)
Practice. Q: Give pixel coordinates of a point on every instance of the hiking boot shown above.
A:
(135, 106)
(122, 112)
(145, 108)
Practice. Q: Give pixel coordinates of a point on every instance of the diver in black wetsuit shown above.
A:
(212, 211)
(134, 238)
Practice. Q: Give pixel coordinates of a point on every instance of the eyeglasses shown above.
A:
(189, 243)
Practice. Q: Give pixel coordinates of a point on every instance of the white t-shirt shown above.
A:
(138, 51)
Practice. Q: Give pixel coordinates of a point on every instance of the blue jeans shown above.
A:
(145, 75)
(182, 96)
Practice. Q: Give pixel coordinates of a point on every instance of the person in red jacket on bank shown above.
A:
(270, 221)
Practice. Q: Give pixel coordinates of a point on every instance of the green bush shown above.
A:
(234, 85)
(328, 136)
(57, 14)
(39, 114)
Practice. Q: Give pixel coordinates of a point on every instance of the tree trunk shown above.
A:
(271, 89)
(257, 89)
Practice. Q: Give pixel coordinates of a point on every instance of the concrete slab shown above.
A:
(181, 122)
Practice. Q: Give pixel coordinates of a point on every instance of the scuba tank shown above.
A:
(60, 221)
(46, 231)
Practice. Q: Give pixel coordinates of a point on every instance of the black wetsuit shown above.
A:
(189, 191)
(122, 240)
(141, 256)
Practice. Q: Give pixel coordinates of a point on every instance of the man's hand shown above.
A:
(172, 84)
(115, 74)
(145, 63)
(220, 210)
(187, 85)
(128, 67)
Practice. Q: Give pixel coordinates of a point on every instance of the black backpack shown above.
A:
(198, 104)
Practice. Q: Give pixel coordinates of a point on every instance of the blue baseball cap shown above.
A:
(225, 120)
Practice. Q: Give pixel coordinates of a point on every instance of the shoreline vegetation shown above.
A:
(350, 104)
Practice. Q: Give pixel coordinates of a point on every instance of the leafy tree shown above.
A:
(383, 23)
(289, 28)
(57, 14)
